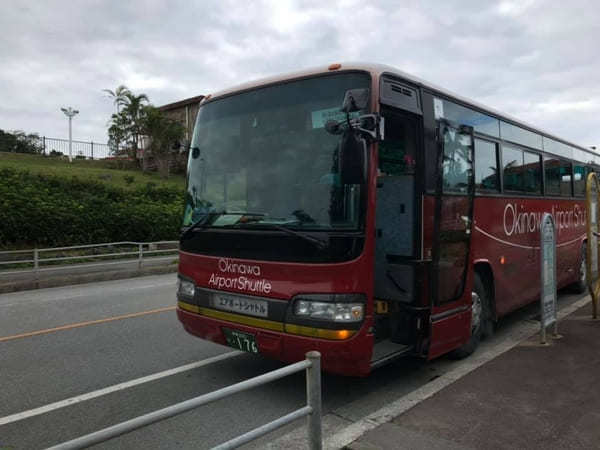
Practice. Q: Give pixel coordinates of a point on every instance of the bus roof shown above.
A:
(376, 70)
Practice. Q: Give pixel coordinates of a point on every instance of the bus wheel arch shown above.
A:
(481, 323)
(484, 270)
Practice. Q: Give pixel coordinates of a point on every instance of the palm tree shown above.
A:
(118, 95)
(133, 110)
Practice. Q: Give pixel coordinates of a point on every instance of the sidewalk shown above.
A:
(70, 274)
(531, 397)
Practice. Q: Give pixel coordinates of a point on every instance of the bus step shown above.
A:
(386, 350)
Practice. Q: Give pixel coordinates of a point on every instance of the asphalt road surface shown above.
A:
(77, 359)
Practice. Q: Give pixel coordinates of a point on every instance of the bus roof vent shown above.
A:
(399, 95)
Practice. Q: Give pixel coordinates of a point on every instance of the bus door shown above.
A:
(450, 320)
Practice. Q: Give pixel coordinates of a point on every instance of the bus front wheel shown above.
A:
(480, 319)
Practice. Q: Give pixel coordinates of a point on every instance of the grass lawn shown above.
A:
(100, 170)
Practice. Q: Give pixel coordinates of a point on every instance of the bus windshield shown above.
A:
(263, 159)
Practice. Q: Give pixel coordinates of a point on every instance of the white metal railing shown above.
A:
(132, 251)
(312, 410)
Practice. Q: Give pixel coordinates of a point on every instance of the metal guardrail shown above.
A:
(36, 261)
(312, 365)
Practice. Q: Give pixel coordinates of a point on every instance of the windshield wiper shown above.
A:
(320, 244)
(203, 222)
(200, 223)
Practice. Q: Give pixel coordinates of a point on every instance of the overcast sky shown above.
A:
(537, 60)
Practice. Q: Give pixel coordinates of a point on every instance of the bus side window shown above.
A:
(532, 163)
(565, 180)
(558, 176)
(486, 166)
(512, 168)
(579, 177)
(456, 161)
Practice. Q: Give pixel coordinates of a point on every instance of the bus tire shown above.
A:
(481, 319)
(580, 286)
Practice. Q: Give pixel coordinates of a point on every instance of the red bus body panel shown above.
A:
(347, 357)
(506, 233)
(505, 236)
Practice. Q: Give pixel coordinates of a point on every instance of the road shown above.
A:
(71, 360)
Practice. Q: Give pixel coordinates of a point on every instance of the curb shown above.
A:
(348, 435)
(58, 281)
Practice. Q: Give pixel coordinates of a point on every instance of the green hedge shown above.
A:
(45, 210)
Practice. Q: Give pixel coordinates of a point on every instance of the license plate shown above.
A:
(239, 304)
(240, 340)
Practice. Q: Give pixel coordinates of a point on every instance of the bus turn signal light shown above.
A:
(343, 334)
(321, 333)
(334, 66)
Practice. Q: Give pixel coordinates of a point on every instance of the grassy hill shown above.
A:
(104, 171)
(48, 202)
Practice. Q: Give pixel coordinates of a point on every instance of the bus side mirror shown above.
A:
(352, 158)
(355, 100)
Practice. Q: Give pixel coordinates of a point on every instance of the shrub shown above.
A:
(118, 163)
(129, 179)
(49, 210)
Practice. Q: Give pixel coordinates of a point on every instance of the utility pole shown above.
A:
(70, 113)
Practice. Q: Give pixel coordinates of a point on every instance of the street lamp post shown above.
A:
(70, 113)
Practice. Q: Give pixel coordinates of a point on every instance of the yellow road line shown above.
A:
(85, 324)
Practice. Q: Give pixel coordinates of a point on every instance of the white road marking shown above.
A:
(527, 329)
(117, 387)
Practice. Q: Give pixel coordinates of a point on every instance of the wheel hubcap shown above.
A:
(475, 310)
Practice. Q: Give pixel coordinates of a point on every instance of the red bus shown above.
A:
(367, 214)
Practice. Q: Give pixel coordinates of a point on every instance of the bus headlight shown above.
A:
(342, 308)
(185, 288)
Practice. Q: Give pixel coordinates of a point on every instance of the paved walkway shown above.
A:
(69, 274)
(531, 397)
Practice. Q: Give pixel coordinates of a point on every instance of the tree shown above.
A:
(118, 95)
(124, 129)
(19, 142)
(133, 110)
(117, 136)
(164, 135)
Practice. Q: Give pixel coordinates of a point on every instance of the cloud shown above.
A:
(535, 60)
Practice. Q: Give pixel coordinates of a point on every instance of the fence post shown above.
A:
(313, 397)
(92, 143)
(36, 262)
(141, 255)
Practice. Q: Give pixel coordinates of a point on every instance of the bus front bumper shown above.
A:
(348, 357)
